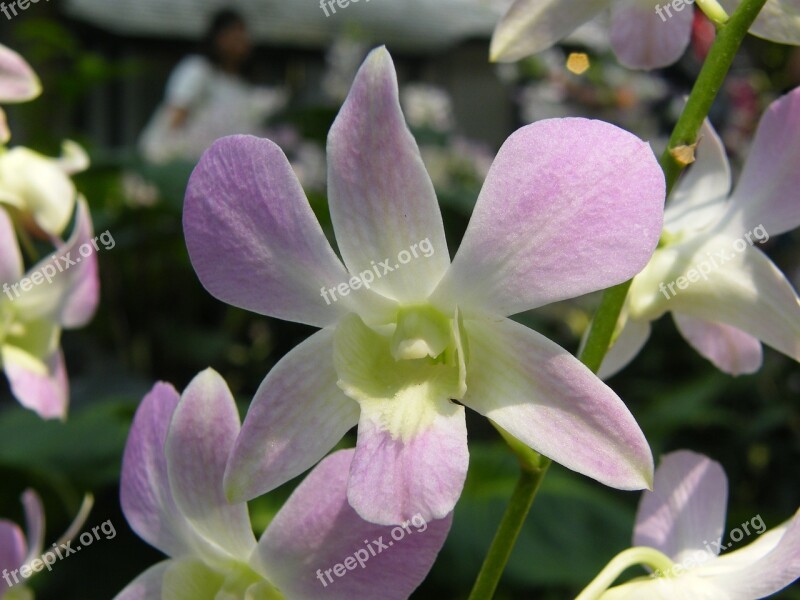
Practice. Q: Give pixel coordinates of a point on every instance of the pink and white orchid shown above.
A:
(725, 295)
(643, 35)
(18, 83)
(569, 206)
(172, 495)
(60, 292)
(678, 534)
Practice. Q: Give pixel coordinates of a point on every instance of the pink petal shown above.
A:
(764, 567)
(13, 549)
(644, 40)
(200, 439)
(546, 398)
(530, 26)
(570, 206)
(145, 493)
(254, 240)
(297, 415)
(18, 82)
(10, 257)
(731, 350)
(767, 192)
(686, 509)
(146, 586)
(381, 197)
(393, 479)
(316, 530)
(47, 394)
(627, 346)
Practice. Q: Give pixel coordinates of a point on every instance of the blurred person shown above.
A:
(208, 97)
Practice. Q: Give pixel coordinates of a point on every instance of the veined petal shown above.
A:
(411, 455)
(570, 206)
(317, 529)
(381, 197)
(767, 192)
(700, 197)
(546, 398)
(145, 493)
(200, 439)
(254, 240)
(38, 383)
(645, 39)
(297, 415)
(686, 509)
(778, 21)
(711, 279)
(68, 288)
(10, 257)
(762, 568)
(625, 348)
(36, 184)
(18, 82)
(530, 26)
(147, 585)
(731, 350)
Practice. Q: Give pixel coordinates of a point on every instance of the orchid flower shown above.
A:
(569, 206)
(172, 496)
(644, 34)
(39, 187)
(18, 83)
(20, 556)
(725, 295)
(59, 292)
(678, 533)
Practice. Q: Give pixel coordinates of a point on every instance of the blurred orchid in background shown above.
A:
(570, 206)
(678, 532)
(18, 83)
(173, 497)
(59, 292)
(725, 295)
(642, 36)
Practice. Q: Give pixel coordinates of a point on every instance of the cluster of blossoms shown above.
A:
(38, 201)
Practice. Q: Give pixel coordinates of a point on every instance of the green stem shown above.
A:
(503, 543)
(705, 90)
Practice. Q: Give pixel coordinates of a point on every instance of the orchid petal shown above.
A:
(200, 439)
(146, 586)
(731, 350)
(10, 257)
(546, 398)
(317, 529)
(686, 509)
(72, 293)
(300, 412)
(74, 158)
(13, 548)
(767, 192)
(701, 195)
(18, 82)
(381, 197)
(145, 493)
(643, 39)
(570, 206)
(778, 21)
(254, 240)
(36, 184)
(39, 384)
(191, 579)
(762, 568)
(686, 587)
(626, 347)
(530, 26)
(742, 289)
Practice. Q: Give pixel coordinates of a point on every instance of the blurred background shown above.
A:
(109, 69)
